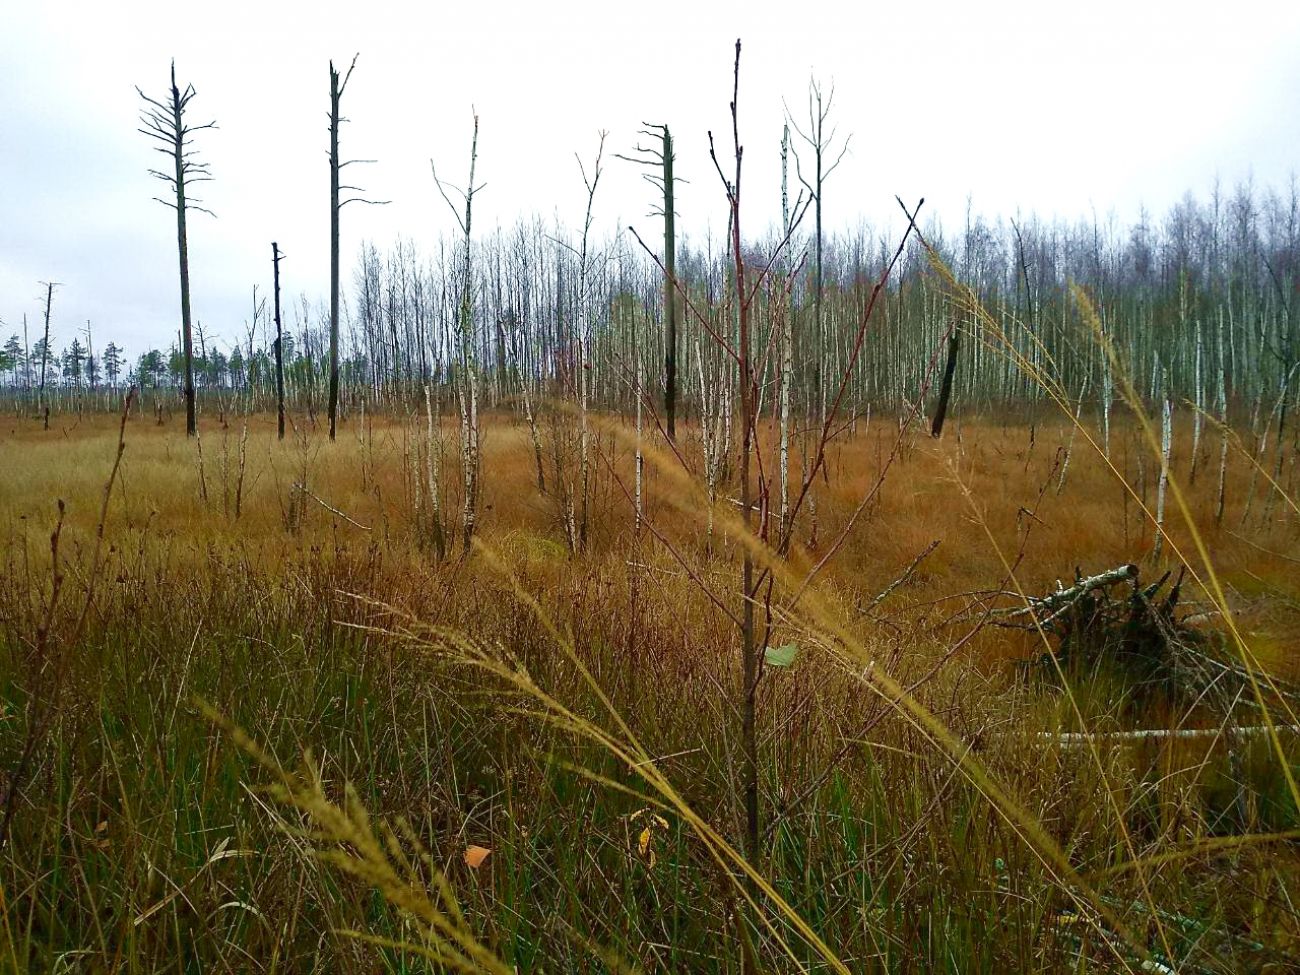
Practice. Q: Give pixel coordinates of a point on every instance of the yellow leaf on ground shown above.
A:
(644, 848)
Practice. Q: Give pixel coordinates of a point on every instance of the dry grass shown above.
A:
(145, 839)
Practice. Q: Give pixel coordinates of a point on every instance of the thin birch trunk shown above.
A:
(1198, 417)
(640, 459)
(433, 472)
(1223, 421)
(1069, 445)
(787, 340)
(1166, 445)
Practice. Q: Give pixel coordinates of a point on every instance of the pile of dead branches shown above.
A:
(1147, 636)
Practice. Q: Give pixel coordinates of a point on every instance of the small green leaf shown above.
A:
(780, 656)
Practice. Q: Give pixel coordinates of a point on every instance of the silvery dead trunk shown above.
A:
(585, 365)
(1198, 416)
(1166, 445)
(433, 472)
(467, 374)
(1223, 421)
(336, 92)
(640, 458)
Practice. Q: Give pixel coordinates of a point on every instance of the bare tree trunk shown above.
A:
(584, 353)
(467, 380)
(662, 159)
(670, 291)
(335, 94)
(1223, 420)
(787, 338)
(433, 470)
(640, 459)
(531, 417)
(279, 340)
(1107, 398)
(182, 244)
(710, 435)
(337, 89)
(945, 389)
(749, 648)
(1074, 428)
(27, 358)
(45, 345)
(165, 122)
(1166, 444)
(1198, 416)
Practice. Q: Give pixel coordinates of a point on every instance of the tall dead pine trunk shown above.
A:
(336, 92)
(945, 389)
(337, 203)
(279, 342)
(662, 159)
(164, 121)
(183, 249)
(45, 344)
(670, 291)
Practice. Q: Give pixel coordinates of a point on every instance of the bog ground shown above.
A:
(196, 716)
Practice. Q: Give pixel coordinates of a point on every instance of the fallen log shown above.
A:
(1056, 604)
(1073, 738)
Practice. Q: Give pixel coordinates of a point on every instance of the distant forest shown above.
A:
(1200, 305)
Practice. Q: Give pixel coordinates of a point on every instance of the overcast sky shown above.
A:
(1031, 107)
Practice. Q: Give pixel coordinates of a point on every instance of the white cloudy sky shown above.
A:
(1036, 106)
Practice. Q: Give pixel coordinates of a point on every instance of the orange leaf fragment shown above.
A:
(644, 846)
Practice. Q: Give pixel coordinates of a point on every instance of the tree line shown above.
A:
(1211, 288)
(1198, 304)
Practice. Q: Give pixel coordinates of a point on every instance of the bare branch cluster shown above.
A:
(163, 120)
(816, 137)
(653, 158)
(466, 196)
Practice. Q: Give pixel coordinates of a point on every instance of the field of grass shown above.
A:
(197, 710)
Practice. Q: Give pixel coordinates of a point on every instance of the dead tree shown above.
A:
(787, 333)
(750, 648)
(945, 388)
(822, 145)
(575, 502)
(662, 158)
(92, 369)
(164, 121)
(467, 374)
(276, 257)
(45, 344)
(337, 88)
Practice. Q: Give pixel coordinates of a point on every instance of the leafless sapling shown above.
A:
(467, 373)
(750, 650)
(822, 144)
(578, 523)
